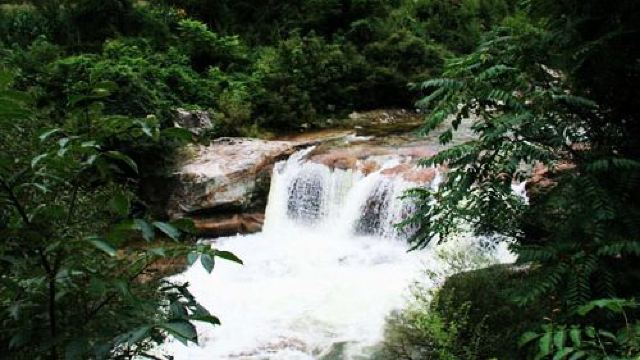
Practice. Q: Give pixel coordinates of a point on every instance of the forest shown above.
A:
(88, 96)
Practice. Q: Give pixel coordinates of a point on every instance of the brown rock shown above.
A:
(229, 225)
(396, 170)
(228, 173)
(411, 173)
(420, 175)
(369, 167)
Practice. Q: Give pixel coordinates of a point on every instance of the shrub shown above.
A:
(470, 317)
(304, 77)
(20, 26)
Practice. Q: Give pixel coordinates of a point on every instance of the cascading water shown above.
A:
(326, 270)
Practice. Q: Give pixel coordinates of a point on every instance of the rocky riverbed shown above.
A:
(224, 185)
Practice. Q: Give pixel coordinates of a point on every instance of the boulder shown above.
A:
(228, 175)
(195, 121)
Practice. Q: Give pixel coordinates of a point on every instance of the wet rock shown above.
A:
(230, 173)
(195, 121)
(229, 225)
(347, 158)
(368, 167)
(412, 173)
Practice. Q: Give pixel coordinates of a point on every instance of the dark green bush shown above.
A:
(277, 66)
(470, 317)
(20, 26)
(305, 77)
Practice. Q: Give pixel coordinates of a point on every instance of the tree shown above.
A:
(545, 89)
(78, 252)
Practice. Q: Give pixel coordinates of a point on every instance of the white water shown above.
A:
(327, 269)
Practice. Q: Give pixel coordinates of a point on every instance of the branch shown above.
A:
(15, 201)
(111, 296)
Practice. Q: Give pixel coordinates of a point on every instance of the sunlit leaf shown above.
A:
(102, 244)
(147, 230)
(207, 262)
(124, 158)
(181, 330)
(167, 229)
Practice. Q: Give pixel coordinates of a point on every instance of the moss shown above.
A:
(488, 293)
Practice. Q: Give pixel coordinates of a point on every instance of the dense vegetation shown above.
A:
(88, 93)
(555, 86)
(274, 65)
(88, 97)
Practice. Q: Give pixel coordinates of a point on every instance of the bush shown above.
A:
(20, 26)
(305, 77)
(419, 333)
(470, 317)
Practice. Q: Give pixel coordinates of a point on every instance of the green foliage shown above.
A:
(274, 66)
(78, 250)
(533, 104)
(304, 77)
(517, 124)
(420, 333)
(588, 342)
(451, 320)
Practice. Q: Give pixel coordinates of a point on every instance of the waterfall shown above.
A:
(328, 267)
(340, 202)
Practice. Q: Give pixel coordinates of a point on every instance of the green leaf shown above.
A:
(44, 136)
(124, 158)
(578, 355)
(75, 99)
(107, 85)
(227, 255)
(590, 331)
(185, 224)
(168, 229)
(102, 244)
(123, 287)
(184, 331)
(17, 96)
(5, 78)
(615, 305)
(563, 353)
(207, 262)
(138, 334)
(100, 93)
(558, 339)
(574, 334)
(527, 337)
(607, 334)
(192, 257)
(147, 230)
(544, 344)
(158, 251)
(208, 318)
(37, 159)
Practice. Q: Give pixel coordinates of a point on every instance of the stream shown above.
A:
(328, 267)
